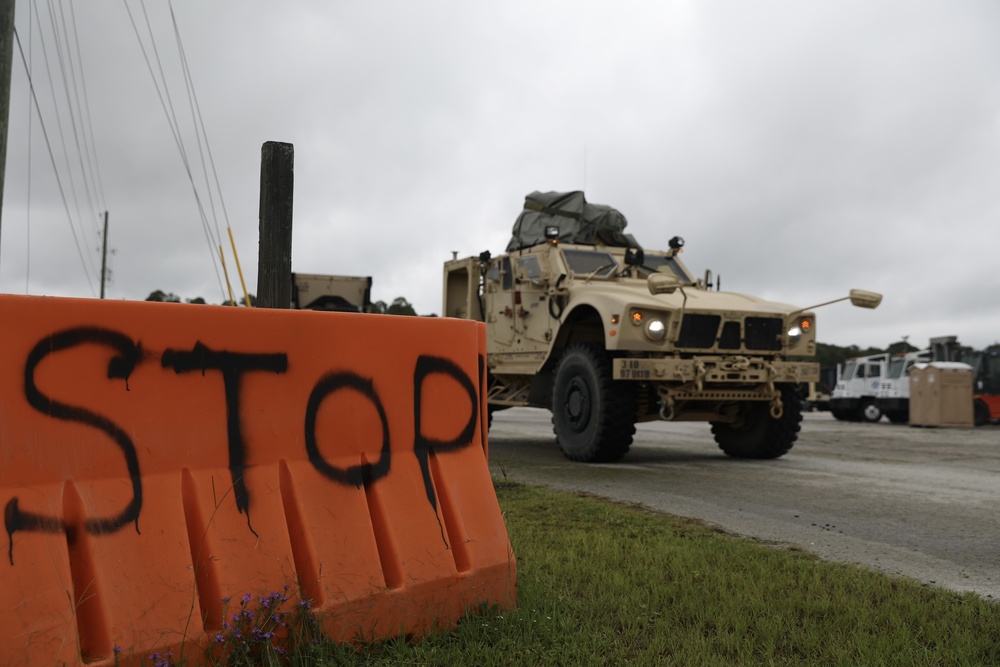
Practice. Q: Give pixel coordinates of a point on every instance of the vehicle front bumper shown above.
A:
(892, 404)
(716, 377)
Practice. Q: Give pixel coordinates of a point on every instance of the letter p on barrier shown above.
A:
(170, 471)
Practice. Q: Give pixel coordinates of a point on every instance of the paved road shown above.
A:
(919, 502)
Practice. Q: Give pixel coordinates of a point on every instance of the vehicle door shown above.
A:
(531, 318)
(498, 301)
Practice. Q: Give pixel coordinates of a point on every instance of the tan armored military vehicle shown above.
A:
(584, 322)
(312, 291)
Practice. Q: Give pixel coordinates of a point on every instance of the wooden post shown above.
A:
(104, 255)
(6, 65)
(274, 257)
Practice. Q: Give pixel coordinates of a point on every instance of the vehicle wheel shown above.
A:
(898, 416)
(593, 416)
(760, 436)
(980, 413)
(871, 413)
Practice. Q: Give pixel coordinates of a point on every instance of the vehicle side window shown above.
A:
(501, 266)
(532, 270)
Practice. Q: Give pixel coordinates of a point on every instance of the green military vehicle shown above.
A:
(583, 321)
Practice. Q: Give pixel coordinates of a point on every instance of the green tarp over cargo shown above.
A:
(578, 221)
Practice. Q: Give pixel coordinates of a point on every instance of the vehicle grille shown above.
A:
(730, 338)
(701, 332)
(762, 333)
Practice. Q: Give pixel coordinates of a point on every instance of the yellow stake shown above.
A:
(226, 273)
(246, 295)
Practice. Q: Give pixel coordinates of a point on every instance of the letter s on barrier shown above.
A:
(120, 366)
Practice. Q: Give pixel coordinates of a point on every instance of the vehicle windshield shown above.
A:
(896, 368)
(654, 263)
(586, 262)
(849, 370)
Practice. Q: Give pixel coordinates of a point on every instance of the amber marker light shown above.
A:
(636, 317)
(614, 319)
(798, 329)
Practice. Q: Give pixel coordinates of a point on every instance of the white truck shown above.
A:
(893, 395)
(854, 396)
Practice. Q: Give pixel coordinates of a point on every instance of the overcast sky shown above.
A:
(800, 148)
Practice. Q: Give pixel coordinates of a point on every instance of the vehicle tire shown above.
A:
(760, 436)
(980, 413)
(870, 412)
(898, 416)
(592, 415)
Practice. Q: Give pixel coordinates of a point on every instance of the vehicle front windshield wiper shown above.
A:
(602, 267)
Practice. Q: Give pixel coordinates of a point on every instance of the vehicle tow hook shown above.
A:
(667, 411)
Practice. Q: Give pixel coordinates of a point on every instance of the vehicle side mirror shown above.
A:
(663, 283)
(865, 299)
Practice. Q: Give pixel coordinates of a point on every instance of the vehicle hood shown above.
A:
(635, 293)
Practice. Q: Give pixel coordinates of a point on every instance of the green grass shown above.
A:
(601, 583)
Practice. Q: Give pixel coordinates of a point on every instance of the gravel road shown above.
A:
(911, 501)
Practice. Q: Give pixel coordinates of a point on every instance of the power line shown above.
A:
(168, 109)
(90, 145)
(48, 145)
(62, 134)
(202, 133)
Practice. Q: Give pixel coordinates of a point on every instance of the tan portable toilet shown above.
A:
(941, 394)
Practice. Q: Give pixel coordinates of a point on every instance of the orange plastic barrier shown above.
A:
(159, 459)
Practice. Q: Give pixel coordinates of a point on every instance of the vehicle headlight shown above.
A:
(655, 329)
(797, 329)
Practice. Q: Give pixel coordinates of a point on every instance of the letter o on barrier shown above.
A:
(364, 473)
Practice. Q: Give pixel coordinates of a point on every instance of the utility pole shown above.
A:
(6, 65)
(104, 254)
(274, 257)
